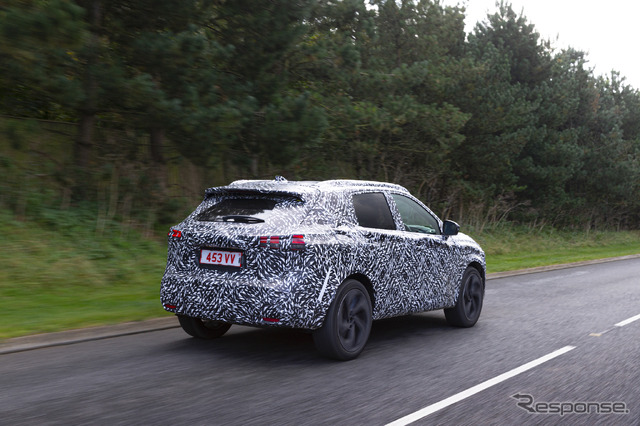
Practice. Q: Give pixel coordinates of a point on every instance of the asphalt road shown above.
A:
(551, 338)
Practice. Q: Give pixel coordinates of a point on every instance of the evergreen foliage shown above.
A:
(484, 127)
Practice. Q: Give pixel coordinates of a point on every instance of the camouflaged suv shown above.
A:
(328, 257)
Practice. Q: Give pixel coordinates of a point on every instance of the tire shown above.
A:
(203, 329)
(347, 325)
(469, 304)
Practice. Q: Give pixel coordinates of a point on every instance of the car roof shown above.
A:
(304, 187)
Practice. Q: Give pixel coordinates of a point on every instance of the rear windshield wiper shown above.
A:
(239, 219)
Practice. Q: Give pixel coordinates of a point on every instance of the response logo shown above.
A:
(528, 403)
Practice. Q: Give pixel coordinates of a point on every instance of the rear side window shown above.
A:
(372, 211)
(250, 209)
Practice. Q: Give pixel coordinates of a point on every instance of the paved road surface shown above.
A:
(413, 366)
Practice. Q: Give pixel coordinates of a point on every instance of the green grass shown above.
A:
(511, 248)
(57, 279)
(59, 273)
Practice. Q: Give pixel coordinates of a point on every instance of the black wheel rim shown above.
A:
(472, 297)
(354, 319)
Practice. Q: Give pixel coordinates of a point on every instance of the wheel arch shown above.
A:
(481, 270)
(366, 282)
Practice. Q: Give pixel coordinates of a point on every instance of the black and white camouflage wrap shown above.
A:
(405, 272)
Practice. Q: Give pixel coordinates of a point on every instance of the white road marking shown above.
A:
(627, 321)
(620, 324)
(477, 388)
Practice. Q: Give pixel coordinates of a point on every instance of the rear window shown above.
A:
(249, 209)
(372, 211)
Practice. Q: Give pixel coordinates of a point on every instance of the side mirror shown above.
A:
(450, 228)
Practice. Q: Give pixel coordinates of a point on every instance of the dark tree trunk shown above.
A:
(156, 139)
(88, 109)
(84, 141)
(158, 162)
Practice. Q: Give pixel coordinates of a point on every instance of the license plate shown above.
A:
(221, 258)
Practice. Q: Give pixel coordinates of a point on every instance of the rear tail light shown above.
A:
(297, 242)
(274, 242)
(174, 233)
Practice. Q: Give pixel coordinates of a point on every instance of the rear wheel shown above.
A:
(347, 325)
(203, 328)
(469, 304)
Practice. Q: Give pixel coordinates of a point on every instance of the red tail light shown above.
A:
(174, 233)
(297, 242)
(274, 242)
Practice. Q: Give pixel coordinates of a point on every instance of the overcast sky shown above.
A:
(606, 30)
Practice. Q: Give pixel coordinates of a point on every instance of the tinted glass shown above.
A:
(259, 207)
(372, 211)
(415, 217)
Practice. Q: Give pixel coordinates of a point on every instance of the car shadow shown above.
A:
(287, 346)
(391, 330)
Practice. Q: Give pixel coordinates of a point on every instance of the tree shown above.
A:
(528, 56)
(277, 118)
(386, 80)
(173, 89)
(607, 182)
(38, 41)
(522, 137)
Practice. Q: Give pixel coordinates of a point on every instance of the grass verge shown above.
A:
(60, 272)
(512, 248)
(71, 277)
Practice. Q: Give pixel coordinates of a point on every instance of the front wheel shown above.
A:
(203, 328)
(469, 304)
(347, 325)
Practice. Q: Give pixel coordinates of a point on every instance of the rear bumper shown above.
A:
(289, 300)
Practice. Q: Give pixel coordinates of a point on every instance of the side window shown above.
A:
(415, 217)
(372, 211)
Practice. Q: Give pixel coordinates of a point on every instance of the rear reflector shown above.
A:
(274, 242)
(297, 242)
(166, 305)
(270, 319)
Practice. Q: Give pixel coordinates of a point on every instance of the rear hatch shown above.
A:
(273, 209)
(241, 229)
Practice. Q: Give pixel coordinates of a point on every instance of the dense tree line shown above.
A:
(484, 126)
